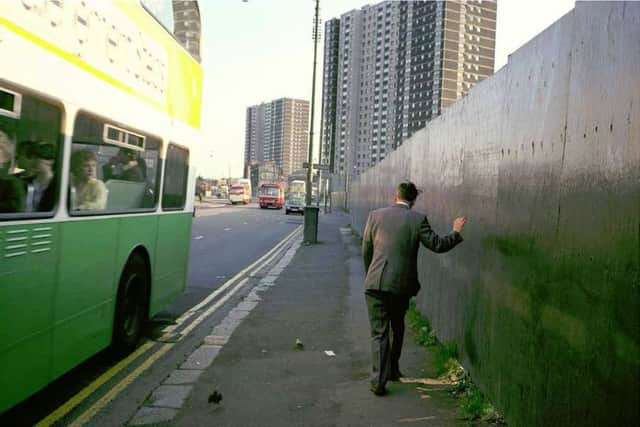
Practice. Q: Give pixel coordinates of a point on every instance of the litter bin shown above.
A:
(311, 224)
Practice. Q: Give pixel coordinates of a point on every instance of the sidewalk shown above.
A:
(265, 381)
(210, 202)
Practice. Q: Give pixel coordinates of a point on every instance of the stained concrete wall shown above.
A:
(543, 297)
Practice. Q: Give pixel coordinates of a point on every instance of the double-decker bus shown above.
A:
(99, 119)
(297, 186)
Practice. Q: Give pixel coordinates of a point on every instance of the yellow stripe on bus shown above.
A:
(184, 91)
(75, 60)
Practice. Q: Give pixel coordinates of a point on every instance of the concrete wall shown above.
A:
(543, 297)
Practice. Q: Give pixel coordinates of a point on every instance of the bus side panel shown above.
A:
(174, 237)
(136, 231)
(84, 302)
(28, 256)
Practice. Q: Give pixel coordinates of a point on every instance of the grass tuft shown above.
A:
(445, 360)
(444, 357)
(421, 327)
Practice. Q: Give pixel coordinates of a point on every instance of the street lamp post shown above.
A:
(316, 21)
(311, 212)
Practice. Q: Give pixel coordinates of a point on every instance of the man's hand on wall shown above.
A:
(458, 223)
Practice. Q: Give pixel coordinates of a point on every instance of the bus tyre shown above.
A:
(131, 306)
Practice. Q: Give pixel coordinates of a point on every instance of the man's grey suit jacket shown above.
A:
(390, 246)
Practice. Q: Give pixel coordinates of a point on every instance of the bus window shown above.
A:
(175, 178)
(29, 156)
(108, 177)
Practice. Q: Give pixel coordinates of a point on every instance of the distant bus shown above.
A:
(246, 183)
(271, 195)
(297, 186)
(240, 193)
(99, 117)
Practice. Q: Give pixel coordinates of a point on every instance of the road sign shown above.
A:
(316, 166)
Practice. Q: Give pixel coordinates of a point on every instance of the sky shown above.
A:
(259, 50)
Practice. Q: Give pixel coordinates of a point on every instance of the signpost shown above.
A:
(316, 166)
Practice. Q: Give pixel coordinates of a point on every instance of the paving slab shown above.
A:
(169, 396)
(202, 357)
(149, 415)
(183, 376)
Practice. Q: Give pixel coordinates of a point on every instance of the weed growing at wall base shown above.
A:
(420, 326)
(445, 360)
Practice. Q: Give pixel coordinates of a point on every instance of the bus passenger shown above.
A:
(12, 193)
(124, 166)
(89, 193)
(37, 159)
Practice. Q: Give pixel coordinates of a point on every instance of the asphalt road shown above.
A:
(225, 239)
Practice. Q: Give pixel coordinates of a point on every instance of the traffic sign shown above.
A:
(316, 166)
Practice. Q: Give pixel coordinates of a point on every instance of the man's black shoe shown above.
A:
(395, 376)
(377, 390)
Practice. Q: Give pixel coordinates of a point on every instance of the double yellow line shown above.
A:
(76, 400)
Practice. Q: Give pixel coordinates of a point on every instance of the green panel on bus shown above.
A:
(85, 291)
(94, 255)
(28, 255)
(170, 273)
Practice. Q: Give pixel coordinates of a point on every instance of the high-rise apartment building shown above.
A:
(254, 135)
(186, 21)
(277, 131)
(389, 68)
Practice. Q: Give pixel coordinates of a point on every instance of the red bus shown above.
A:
(271, 195)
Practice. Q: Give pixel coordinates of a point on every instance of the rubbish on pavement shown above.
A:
(299, 345)
(329, 353)
(426, 381)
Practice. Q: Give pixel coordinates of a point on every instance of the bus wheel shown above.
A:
(131, 306)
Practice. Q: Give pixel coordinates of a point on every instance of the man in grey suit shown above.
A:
(390, 246)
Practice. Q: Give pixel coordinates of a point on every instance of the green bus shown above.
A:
(99, 118)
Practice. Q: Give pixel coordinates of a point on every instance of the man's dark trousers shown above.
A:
(386, 311)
